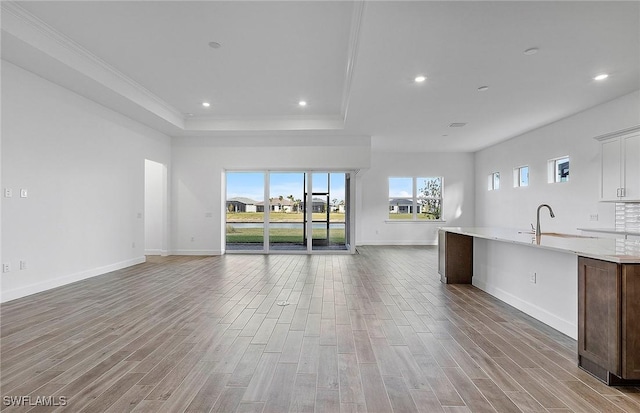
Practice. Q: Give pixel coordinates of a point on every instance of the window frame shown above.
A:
(553, 173)
(491, 184)
(517, 176)
(414, 199)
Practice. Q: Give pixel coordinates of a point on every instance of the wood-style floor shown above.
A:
(372, 332)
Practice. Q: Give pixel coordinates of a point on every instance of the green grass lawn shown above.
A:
(280, 216)
(279, 235)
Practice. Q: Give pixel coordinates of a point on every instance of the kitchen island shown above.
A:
(585, 287)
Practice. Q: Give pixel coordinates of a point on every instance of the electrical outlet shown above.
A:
(593, 217)
(533, 277)
(8, 193)
(23, 265)
(6, 267)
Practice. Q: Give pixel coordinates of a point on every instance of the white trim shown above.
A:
(398, 243)
(354, 41)
(160, 252)
(564, 326)
(617, 134)
(67, 279)
(197, 252)
(414, 221)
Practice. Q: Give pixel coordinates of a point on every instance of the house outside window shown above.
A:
(415, 198)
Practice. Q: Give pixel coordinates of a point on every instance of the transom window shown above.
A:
(521, 176)
(558, 169)
(493, 181)
(415, 198)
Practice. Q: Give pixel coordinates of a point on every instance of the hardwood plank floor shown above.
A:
(370, 332)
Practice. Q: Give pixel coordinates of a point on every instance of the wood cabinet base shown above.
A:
(603, 374)
(455, 257)
(609, 320)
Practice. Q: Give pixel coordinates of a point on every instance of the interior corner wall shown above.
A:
(83, 168)
(373, 224)
(573, 202)
(198, 164)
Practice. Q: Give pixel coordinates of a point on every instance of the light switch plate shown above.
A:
(23, 193)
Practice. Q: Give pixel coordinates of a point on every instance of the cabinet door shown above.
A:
(631, 321)
(599, 290)
(631, 177)
(611, 170)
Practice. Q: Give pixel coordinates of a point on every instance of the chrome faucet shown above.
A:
(538, 232)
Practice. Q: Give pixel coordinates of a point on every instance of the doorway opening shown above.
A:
(155, 208)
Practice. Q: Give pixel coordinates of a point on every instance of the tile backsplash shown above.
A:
(628, 216)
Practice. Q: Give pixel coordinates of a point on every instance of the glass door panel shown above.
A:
(286, 216)
(245, 223)
(329, 211)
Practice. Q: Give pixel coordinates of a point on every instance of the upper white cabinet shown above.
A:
(620, 173)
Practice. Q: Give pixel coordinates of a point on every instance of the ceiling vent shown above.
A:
(457, 125)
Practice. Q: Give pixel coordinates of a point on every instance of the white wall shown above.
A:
(373, 224)
(198, 182)
(504, 270)
(83, 166)
(573, 202)
(155, 208)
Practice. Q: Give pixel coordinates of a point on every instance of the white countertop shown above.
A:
(611, 231)
(622, 251)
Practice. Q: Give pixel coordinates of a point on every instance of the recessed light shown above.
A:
(530, 51)
(602, 76)
(420, 79)
(215, 45)
(302, 103)
(206, 104)
(483, 88)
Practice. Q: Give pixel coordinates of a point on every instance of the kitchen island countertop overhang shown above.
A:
(620, 251)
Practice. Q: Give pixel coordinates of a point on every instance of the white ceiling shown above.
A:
(353, 62)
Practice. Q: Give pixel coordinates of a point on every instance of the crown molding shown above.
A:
(33, 31)
(354, 42)
(263, 123)
(618, 133)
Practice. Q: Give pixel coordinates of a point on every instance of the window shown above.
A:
(493, 181)
(415, 198)
(558, 169)
(521, 176)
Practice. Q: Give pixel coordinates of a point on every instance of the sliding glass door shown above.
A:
(297, 211)
(245, 224)
(286, 214)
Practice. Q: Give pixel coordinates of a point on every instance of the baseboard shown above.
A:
(564, 326)
(67, 279)
(162, 253)
(400, 243)
(196, 252)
